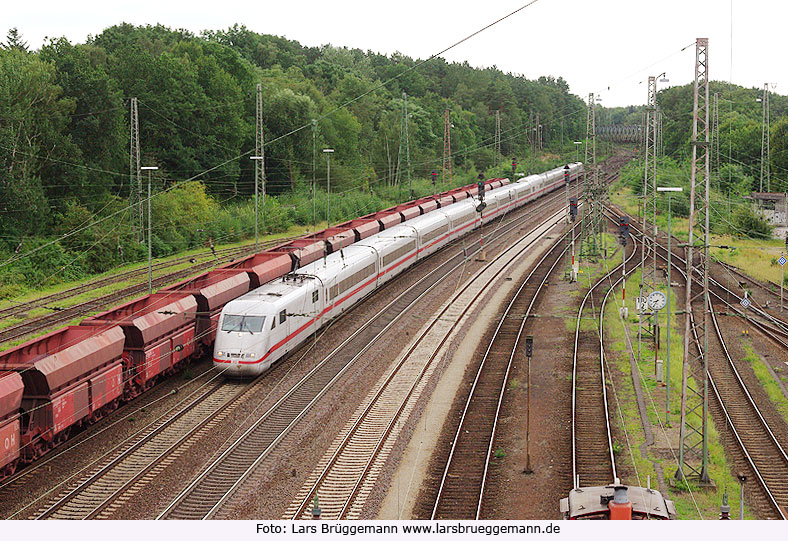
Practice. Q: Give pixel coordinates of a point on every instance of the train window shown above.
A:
(273, 323)
(435, 233)
(352, 280)
(282, 316)
(236, 323)
(399, 252)
(315, 296)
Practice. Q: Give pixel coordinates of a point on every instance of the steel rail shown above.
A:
(611, 456)
(281, 403)
(485, 357)
(750, 401)
(128, 453)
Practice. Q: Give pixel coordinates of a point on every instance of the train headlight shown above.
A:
(249, 355)
(219, 353)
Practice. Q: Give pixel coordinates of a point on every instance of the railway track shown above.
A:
(461, 489)
(758, 430)
(771, 289)
(37, 470)
(346, 478)
(775, 327)
(593, 459)
(220, 480)
(61, 315)
(104, 489)
(127, 473)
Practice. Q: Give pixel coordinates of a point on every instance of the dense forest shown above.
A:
(736, 167)
(735, 163)
(65, 137)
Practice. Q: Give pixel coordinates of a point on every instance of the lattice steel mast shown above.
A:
(135, 188)
(259, 164)
(715, 132)
(765, 140)
(588, 225)
(648, 275)
(446, 172)
(693, 450)
(498, 138)
(407, 145)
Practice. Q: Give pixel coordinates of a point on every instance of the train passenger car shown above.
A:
(262, 326)
(396, 247)
(462, 216)
(433, 232)
(617, 502)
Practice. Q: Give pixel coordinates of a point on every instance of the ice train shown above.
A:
(260, 327)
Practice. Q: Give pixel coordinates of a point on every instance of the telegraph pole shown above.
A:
(693, 447)
(135, 188)
(765, 140)
(446, 173)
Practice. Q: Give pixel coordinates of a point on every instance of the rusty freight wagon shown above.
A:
(71, 376)
(11, 389)
(160, 333)
(212, 290)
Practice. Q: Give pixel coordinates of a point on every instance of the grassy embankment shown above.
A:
(689, 503)
(758, 258)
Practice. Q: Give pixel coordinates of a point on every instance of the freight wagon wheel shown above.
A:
(61, 437)
(9, 469)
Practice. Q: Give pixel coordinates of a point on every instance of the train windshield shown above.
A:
(232, 323)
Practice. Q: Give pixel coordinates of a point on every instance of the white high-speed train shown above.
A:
(260, 327)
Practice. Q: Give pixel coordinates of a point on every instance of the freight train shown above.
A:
(262, 326)
(73, 376)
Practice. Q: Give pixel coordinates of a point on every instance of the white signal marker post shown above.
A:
(782, 261)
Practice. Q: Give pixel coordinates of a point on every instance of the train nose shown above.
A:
(232, 356)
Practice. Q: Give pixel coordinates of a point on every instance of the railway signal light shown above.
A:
(529, 352)
(480, 184)
(623, 230)
(514, 170)
(566, 173)
(434, 179)
(573, 208)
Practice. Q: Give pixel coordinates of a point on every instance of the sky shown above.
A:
(608, 47)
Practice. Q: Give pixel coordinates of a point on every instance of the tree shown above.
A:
(14, 41)
(34, 143)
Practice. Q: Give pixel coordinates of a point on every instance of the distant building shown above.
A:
(773, 206)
